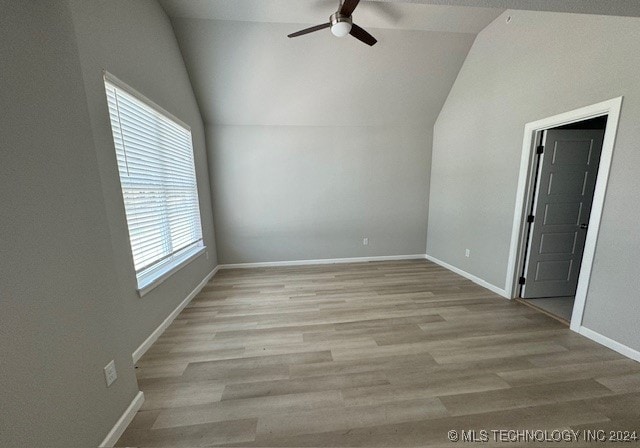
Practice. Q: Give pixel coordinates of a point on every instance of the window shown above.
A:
(158, 180)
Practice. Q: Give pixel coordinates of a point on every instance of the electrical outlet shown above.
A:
(467, 253)
(110, 373)
(207, 254)
(365, 241)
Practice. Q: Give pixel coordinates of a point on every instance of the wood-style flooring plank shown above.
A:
(369, 354)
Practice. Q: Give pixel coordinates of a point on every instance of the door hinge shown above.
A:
(540, 149)
(521, 281)
(530, 219)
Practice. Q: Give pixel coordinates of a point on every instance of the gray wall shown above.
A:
(539, 65)
(301, 192)
(317, 142)
(68, 303)
(61, 303)
(134, 41)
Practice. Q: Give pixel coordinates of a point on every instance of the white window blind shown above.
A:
(157, 175)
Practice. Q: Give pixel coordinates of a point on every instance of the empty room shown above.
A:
(321, 223)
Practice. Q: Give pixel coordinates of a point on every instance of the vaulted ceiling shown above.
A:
(245, 71)
(407, 16)
(629, 8)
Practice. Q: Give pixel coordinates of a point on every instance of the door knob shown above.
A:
(584, 226)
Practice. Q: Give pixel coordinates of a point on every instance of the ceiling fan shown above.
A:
(341, 24)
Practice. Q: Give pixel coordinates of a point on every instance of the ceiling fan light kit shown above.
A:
(341, 24)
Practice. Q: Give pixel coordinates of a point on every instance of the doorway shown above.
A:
(567, 161)
(563, 176)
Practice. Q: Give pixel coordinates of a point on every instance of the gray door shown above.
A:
(566, 180)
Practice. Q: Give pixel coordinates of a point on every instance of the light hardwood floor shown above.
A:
(370, 354)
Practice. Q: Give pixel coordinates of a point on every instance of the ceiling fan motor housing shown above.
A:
(340, 24)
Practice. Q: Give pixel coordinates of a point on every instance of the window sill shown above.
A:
(151, 281)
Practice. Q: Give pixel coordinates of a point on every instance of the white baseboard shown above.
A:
(322, 261)
(124, 421)
(473, 278)
(267, 264)
(610, 343)
(137, 354)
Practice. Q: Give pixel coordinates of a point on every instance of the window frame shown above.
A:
(149, 278)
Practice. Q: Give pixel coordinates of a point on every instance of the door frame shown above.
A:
(526, 182)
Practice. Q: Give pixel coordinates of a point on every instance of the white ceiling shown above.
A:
(370, 14)
(629, 8)
(249, 73)
(245, 71)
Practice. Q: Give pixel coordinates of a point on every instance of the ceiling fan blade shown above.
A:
(348, 7)
(310, 30)
(362, 35)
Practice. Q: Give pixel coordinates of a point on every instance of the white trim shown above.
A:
(473, 278)
(157, 276)
(610, 343)
(137, 354)
(268, 264)
(113, 80)
(596, 212)
(124, 421)
(612, 109)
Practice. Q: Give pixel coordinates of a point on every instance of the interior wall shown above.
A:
(301, 192)
(317, 142)
(60, 299)
(536, 66)
(68, 294)
(134, 41)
